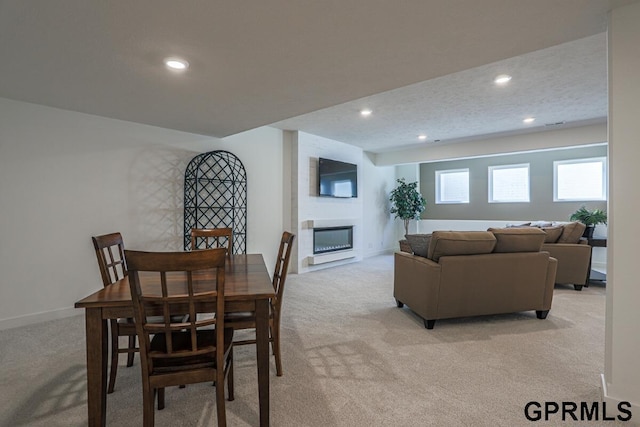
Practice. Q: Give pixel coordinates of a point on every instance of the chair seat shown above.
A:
(126, 326)
(181, 343)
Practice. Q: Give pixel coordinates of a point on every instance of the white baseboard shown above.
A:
(612, 403)
(45, 316)
(387, 251)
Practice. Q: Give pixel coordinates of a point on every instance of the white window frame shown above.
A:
(603, 192)
(439, 175)
(525, 199)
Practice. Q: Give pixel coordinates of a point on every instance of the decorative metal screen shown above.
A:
(215, 195)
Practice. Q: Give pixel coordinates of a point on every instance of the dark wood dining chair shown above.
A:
(247, 320)
(173, 354)
(207, 238)
(110, 253)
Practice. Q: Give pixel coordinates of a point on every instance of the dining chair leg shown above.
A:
(148, 412)
(271, 340)
(276, 346)
(114, 355)
(131, 354)
(230, 376)
(160, 399)
(220, 405)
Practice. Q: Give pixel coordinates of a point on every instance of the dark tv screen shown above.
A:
(337, 179)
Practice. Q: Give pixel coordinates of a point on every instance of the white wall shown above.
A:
(379, 234)
(260, 150)
(66, 176)
(621, 379)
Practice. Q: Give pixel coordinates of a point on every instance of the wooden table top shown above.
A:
(246, 277)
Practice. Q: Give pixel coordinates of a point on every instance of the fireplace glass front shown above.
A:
(332, 239)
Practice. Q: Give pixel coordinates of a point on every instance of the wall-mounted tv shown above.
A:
(337, 179)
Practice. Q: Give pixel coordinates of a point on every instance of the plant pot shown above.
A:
(588, 232)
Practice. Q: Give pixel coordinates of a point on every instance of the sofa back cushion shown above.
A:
(419, 243)
(444, 243)
(526, 239)
(571, 232)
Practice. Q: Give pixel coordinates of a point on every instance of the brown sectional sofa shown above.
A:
(460, 274)
(573, 254)
(565, 243)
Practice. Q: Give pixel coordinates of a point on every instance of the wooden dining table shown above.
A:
(247, 288)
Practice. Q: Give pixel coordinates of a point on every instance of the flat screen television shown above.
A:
(337, 179)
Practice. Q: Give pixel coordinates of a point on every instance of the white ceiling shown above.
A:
(421, 65)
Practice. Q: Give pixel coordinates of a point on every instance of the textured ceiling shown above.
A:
(256, 62)
(564, 84)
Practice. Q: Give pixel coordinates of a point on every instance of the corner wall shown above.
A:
(65, 176)
(621, 378)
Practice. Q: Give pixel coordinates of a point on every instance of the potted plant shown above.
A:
(406, 202)
(590, 218)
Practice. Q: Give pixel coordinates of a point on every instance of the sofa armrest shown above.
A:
(416, 282)
(550, 283)
(574, 260)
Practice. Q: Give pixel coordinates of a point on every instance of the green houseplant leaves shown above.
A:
(590, 218)
(406, 202)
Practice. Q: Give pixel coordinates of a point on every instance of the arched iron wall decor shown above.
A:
(215, 195)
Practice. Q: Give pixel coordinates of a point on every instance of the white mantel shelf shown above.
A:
(331, 257)
(324, 223)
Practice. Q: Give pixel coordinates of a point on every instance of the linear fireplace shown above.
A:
(331, 239)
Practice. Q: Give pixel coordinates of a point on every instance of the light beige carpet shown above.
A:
(351, 358)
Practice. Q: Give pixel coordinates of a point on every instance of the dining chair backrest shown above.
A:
(113, 267)
(281, 268)
(180, 351)
(179, 292)
(110, 253)
(208, 238)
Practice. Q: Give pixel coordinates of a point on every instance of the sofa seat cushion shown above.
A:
(571, 232)
(419, 243)
(526, 239)
(445, 243)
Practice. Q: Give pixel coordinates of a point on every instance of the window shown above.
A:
(452, 186)
(580, 180)
(509, 183)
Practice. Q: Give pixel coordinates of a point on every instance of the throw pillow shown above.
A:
(519, 224)
(553, 233)
(518, 239)
(419, 243)
(444, 243)
(572, 232)
(541, 224)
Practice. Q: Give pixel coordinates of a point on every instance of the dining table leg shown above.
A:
(262, 356)
(97, 346)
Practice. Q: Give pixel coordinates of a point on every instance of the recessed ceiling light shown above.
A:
(529, 120)
(502, 79)
(422, 137)
(365, 112)
(176, 64)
